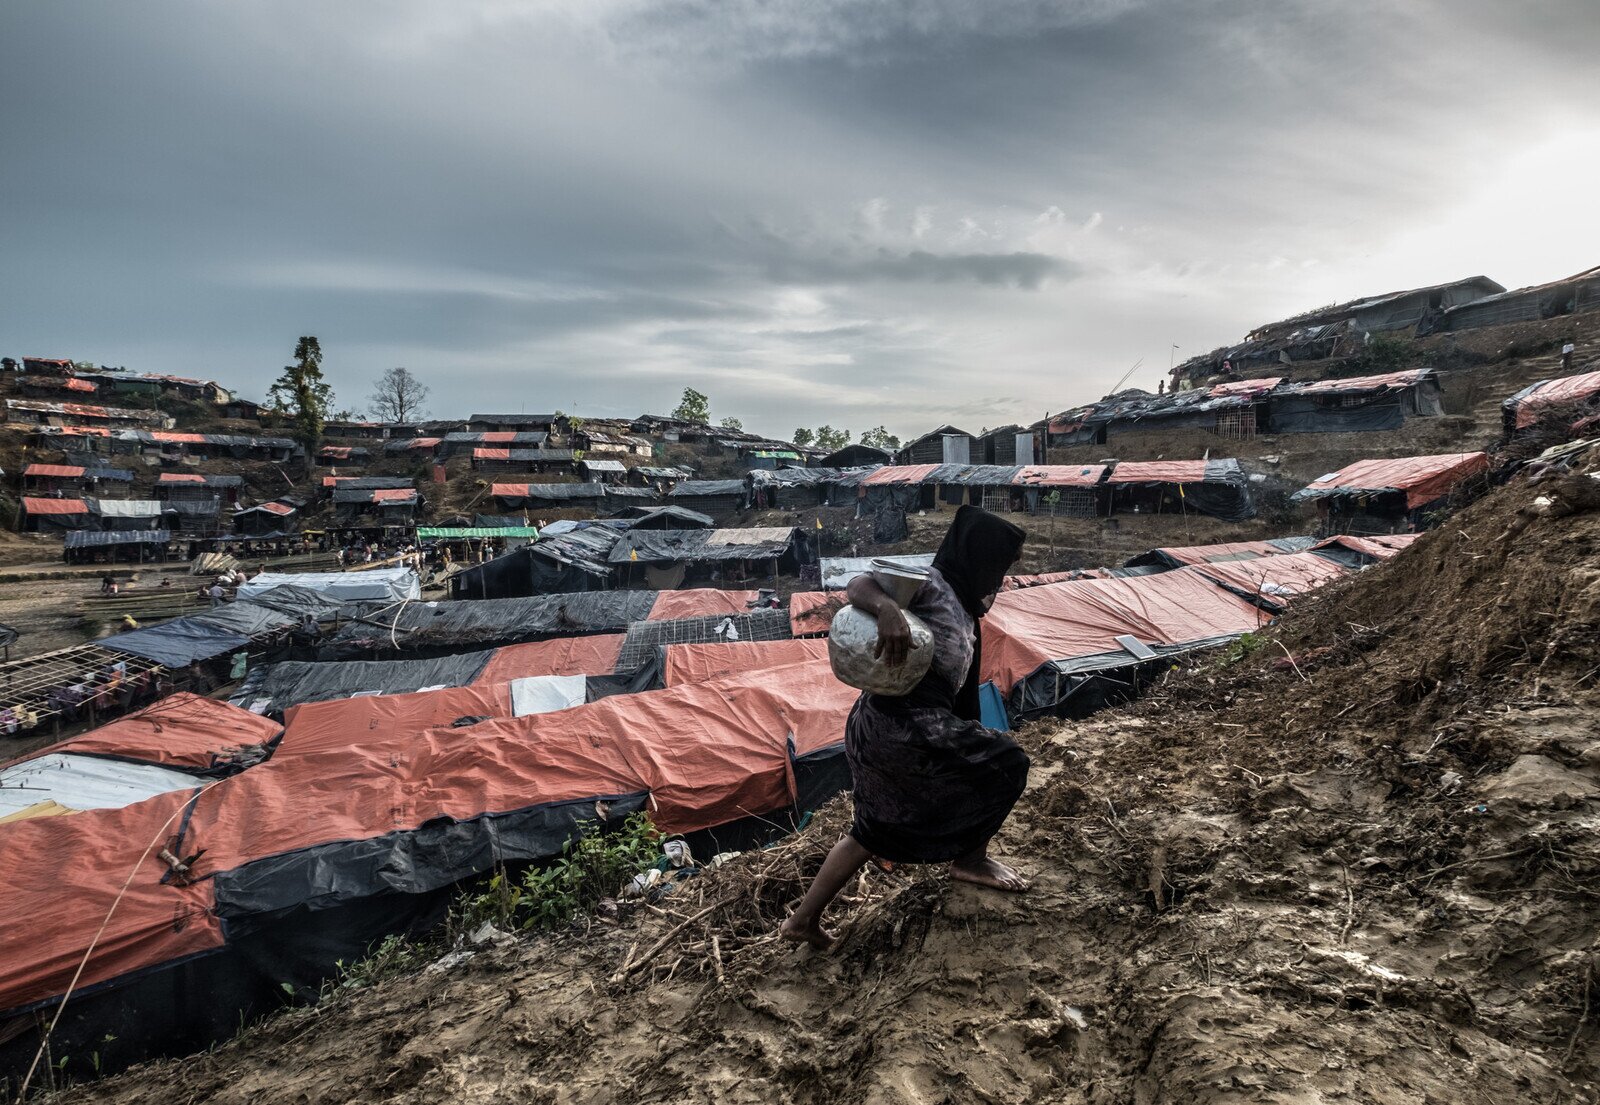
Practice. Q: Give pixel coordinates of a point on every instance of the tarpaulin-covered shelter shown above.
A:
(417, 446)
(708, 496)
(838, 571)
(800, 488)
(667, 517)
(811, 612)
(507, 458)
(645, 640)
(175, 444)
(309, 857)
(945, 445)
(657, 477)
(1215, 487)
(1272, 582)
(184, 731)
(42, 515)
(1570, 295)
(1359, 551)
(380, 585)
(193, 486)
(558, 563)
(899, 487)
(1389, 493)
(1068, 648)
(1354, 403)
(438, 628)
(685, 664)
(1179, 556)
(519, 496)
(142, 546)
(665, 559)
(1526, 407)
(359, 507)
(75, 414)
(264, 519)
(343, 454)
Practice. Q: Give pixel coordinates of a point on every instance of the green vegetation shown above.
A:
(302, 394)
(694, 407)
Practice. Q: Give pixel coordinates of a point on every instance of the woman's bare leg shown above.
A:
(977, 867)
(804, 925)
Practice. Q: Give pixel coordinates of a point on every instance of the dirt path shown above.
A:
(1370, 875)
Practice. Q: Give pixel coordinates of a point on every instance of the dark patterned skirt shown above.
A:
(928, 787)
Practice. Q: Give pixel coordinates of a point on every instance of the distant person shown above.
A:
(1566, 356)
(930, 783)
(215, 593)
(108, 584)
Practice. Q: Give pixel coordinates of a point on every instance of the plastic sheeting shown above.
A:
(127, 508)
(274, 688)
(1272, 582)
(701, 602)
(545, 694)
(594, 655)
(84, 783)
(811, 612)
(96, 539)
(246, 618)
(686, 664)
(1061, 475)
(1033, 626)
(453, 625)
(181, 730)
(1524, 407)
(1178, 556)
(646, 638)
(177, 643)
(1422, 479)
(373, 585)
(838, 571)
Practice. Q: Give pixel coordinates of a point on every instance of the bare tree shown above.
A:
(399, 397)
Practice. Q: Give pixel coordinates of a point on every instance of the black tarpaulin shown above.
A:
(95, 539)
(248, 618)
(177, 643)
(420, 626)
(274, 688)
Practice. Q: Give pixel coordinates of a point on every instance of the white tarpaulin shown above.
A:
(85, 783)
(838, 571)
(128, 508)
(377, 584)
(545, 694)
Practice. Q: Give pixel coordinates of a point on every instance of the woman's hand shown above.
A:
(894, 636)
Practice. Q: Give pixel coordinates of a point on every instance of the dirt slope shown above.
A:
(1374, 878)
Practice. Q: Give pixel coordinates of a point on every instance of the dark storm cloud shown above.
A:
(816, 210)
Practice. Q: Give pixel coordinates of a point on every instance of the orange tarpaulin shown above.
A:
(596, 655)
(1380, 546)
(698, 663)
(707, 753)
(811, 612)
(59, 471)
(491, 454)
(340, 722)
(1564, 389)
(898, 473)
(181, 477)
(55, 506)
(1423, 479)
(1060, 475)
(1223, 551)
(701, 602)
(1013, 583)
(182, 730)
(1158, 471)
(1274, 579)
(1034, 625)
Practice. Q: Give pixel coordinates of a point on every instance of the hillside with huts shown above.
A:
(530, 717)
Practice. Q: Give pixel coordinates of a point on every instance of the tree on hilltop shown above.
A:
(694, 407)
(399, 397)
(302, 394)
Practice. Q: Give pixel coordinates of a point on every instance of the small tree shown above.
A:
(302, 394)
(880, 438)
(694, 407)
(829, 439)
(731, 423)
(400, 397)
(803, 437)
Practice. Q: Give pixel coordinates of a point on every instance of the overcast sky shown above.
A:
(844, 211)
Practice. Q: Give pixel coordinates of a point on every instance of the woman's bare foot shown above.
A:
(801, 932)
(988, 872)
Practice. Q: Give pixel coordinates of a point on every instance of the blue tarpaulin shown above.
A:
(177, 643)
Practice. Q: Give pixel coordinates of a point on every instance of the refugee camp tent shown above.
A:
(1181, 555)
(1215, 487)
(382, 585)
(437, 628)
(83, 546)
(1524, 408)
(708, 496)
(1358, 552)
(309, 857)
(184, 731)
(644, 640)
(40, 515)
(696, 663)
(1354, 403)
(1390, 492)
(566, 559)
(1068, 648)
(1272, 582)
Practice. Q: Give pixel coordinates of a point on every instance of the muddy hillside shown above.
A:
(1353, 860)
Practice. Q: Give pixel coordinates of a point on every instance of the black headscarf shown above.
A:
(977, 552)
